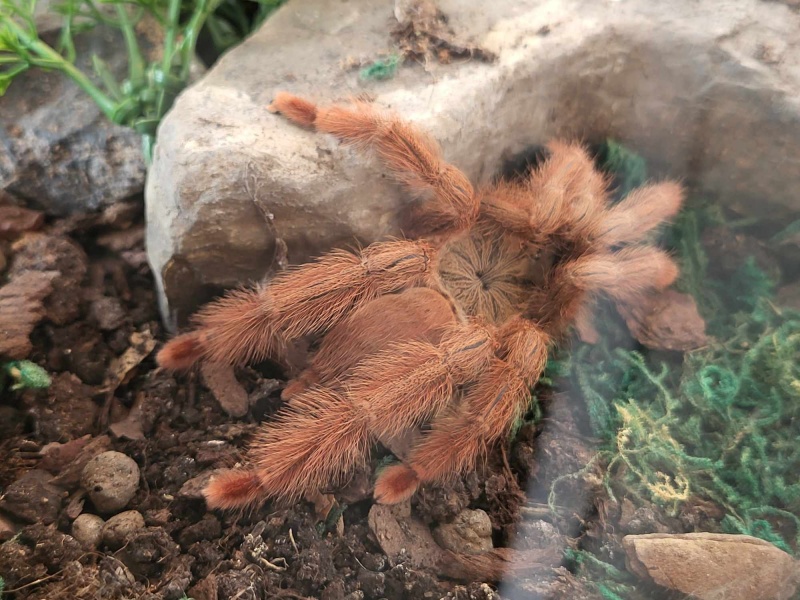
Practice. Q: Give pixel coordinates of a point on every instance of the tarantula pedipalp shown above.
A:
(450, 328)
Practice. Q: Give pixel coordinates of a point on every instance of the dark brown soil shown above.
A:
(97, 332)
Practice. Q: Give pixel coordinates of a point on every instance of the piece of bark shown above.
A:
(15, 220)
(713, 566)
(21, 309)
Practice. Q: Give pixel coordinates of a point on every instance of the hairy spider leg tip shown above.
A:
(667, 275)
(181, 353)
(299, 111)
(233, 489)
(396, 484)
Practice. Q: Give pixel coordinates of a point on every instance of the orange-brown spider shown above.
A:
(451, 328)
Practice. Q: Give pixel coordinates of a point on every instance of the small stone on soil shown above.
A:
(87, 529)
(108, 313)
(469, 533)
(372, 584)
(208, 528)
(119, 529)
(111, 480)
(193, 488)
(148, 552)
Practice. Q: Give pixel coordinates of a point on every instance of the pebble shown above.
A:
(469, 533)
(111, 480)
(119, 529)
(87, 529)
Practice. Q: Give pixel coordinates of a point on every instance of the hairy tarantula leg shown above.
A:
(312, 443)
(410, 155)
(237, 328)
(624, 276)
(565, 194)
(639, 212)
(249, 325)
(495, 401)
(408, 383)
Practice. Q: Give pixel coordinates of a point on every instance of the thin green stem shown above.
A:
(135, 60)
(193, 27)
(53, 60)
(171, 27)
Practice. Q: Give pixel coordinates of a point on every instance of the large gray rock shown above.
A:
(707, 92)
(58, 151)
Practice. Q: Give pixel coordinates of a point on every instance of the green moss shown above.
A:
(719, 424)
(381, 69)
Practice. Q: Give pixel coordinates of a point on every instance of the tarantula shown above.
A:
(449, 329)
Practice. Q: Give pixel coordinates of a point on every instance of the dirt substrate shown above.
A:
(95, 332)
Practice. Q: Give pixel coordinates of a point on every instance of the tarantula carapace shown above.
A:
(450, 328)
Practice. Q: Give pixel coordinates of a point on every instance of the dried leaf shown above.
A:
(130, 427)
(326, 509)
(70, 474)
(221, 380)
(75, 505)
(713, 566)
(667, 321)
(56, 456)
(121, 369)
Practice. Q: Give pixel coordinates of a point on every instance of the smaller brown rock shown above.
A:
(121, 528)
(108, 313)
(193, 488)
(87, 529)
(469, 533)
(713, 566)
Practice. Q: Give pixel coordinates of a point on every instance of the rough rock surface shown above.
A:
(714, 566)
(67, 160)
(705, 92)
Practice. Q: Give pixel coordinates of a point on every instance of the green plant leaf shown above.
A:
(8, 75)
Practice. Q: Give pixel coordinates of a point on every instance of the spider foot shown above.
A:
(233, 489)
(181, 352)
(395, 484)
